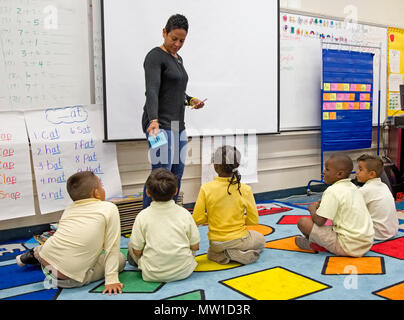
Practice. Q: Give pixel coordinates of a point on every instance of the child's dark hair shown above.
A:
(373, 163)
(177, 21)
(81, 185)
(162, 184)
(228, 158)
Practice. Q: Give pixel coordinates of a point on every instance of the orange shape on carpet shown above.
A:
(287, 244)
(348, 265)
(394, 292)
(261, 228)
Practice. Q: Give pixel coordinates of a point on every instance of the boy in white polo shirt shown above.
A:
(352, 231)
(164, 236)
(378, 197)
(72, 256)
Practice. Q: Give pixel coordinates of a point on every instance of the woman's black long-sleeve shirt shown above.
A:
(166, 83)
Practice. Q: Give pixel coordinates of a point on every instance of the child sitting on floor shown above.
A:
(72, 256)
(352, 231)
(164, 236)
(228, 206)
(378, 197)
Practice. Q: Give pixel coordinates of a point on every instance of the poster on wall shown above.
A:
(395, 70)
(64, 141)
(16, 188)
(301, 39)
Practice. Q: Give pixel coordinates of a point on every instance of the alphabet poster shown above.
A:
(64, 141)
(16, 189)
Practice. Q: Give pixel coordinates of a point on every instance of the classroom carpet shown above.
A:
(282, 272)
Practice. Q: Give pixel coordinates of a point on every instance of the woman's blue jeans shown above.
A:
(171, 156)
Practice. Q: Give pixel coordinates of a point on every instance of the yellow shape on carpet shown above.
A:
(274, 284)
(286, 244)
(348, 265)
(204, 264)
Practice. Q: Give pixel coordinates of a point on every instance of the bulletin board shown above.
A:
(347, 100)
(395, 70)
(300, 64)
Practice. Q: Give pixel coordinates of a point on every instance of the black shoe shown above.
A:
(26, 258)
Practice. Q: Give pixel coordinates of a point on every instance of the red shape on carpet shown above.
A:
(393, 248)
(263, 210)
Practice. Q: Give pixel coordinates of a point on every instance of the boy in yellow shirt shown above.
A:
(228, 206)
(72, 256)
(352, 231)
(164, 236)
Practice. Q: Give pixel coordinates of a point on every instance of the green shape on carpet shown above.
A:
(192, 295)
(133, 283)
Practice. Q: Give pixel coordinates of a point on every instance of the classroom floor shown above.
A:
(282, 272)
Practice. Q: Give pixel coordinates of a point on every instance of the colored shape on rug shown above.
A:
(287, 244)
(205, 265)
(393, 248)
(13, 276)
(294, 219)
(271, 208)
(261, 228)
(46, 294)
(10, 250)
(133, 283)
(348, 265)
(276, 283)
(393, 292)
(192, 295)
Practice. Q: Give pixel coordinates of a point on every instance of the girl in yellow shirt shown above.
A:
(228, 206)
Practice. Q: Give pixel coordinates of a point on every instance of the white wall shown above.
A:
(287, 160)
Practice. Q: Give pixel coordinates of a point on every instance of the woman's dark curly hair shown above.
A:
(177, 21)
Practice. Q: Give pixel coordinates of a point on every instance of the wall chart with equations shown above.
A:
(44, 54)
(65, 141)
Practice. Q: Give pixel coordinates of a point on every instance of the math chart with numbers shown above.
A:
(44, 54)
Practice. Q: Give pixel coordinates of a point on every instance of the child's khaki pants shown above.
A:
(244, 250)
(97, 272)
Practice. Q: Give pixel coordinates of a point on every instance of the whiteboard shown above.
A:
(301, 61)
(44, 54)
(230, 54)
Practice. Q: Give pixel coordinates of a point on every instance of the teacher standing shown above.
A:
(166, 99)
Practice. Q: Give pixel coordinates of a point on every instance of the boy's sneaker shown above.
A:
(26, 258)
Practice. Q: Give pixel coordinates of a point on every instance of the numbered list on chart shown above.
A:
(16, 189)
(65, 141)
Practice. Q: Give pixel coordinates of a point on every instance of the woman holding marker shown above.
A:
(166, 98)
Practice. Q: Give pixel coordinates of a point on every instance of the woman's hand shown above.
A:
(153, 129)
(196, 103)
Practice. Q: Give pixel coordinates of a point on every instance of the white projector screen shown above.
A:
(231, 55)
